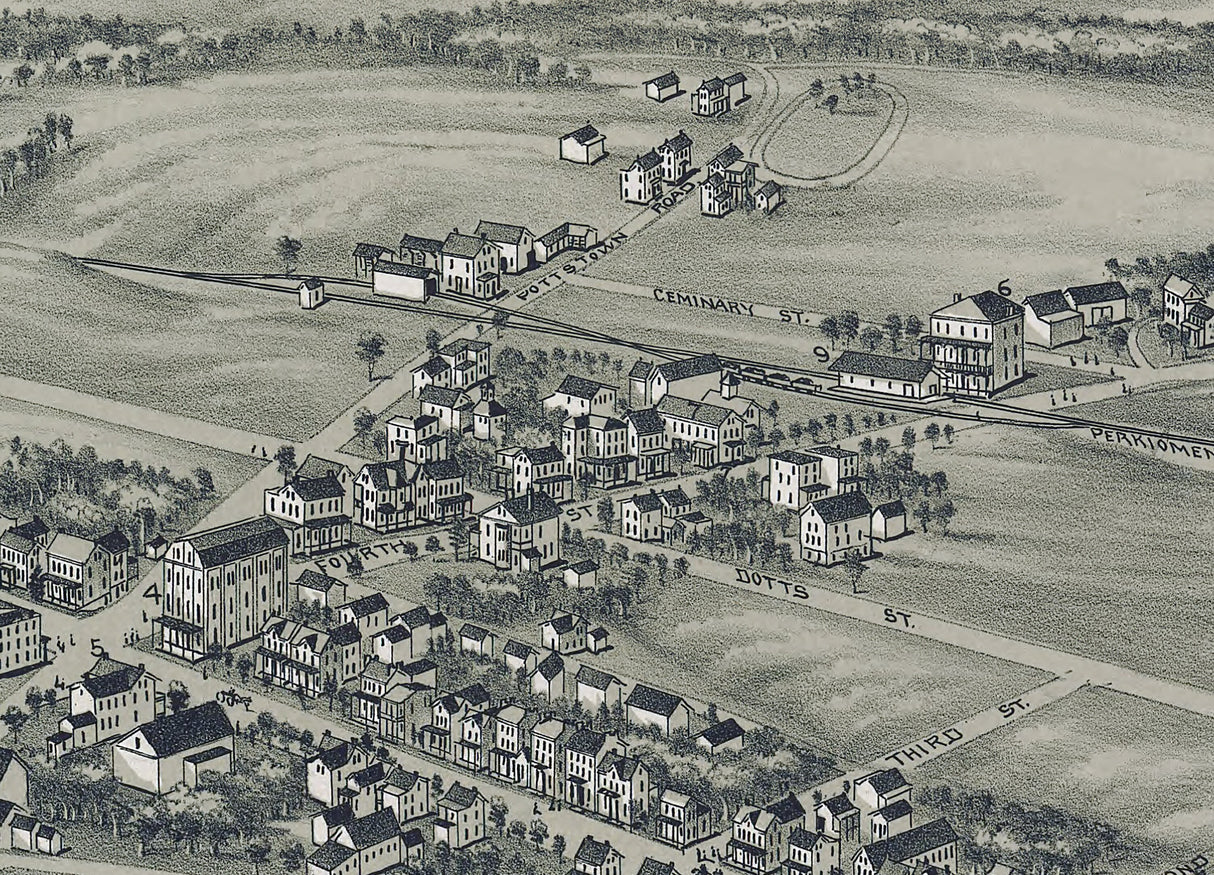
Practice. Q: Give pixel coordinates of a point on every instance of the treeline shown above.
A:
(36, 151)
(845, 327)
(890, 473)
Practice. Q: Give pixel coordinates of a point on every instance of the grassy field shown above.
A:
(839, 140)
(205, 176)
(1141, 766)
(1063, 541)
(1031, 179)
(1181, 409)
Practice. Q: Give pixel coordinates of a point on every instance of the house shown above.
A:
(596, 639)
(838, 818)
(397, 279)
(622, 789)
(406, 794)
(582, 575)
(738, 175)
(736, 85)
(1198, 328)
(1184, 307)
(880, 789)
(727, 396)
(80, 574)
(1050, 321)
(314, 466)
(835, 526)
(759, 839)
(648, 443)
(839, 469)
(488, 416)
(811, 853)
(313, 510)
(547, 757)
(725, 735)
(362, 846)
(889, 521)
(1099, 302)
(891, 820)
(648, 706)
(676, 158)
(885, 375)
(417, 439)
(421, 251)
(325, 821)
(682, 820)
(768, 196)
(362, 788)
(518, 656)
(579, 397)
(597, 689)
(516, 244)
(393, 645)
(391, 496)
(977, 344)
(156, 548)
(369, 614)
(793, 478)
(299, 658)
(564, 632)
(470, 265)
(711, 98)
(583, 146)
(20, 638)
(654, 516)
(19, 556)
(650, 866)
(413, 845)
(584, 750)
(508, 758)
(548, 679)
(641, 181)
(329, 769)
(477, 639)
(426, 628)
(452, 407)
(649, 383)
(596, 858)
(661, 88)
(470, 745)
(565, 236)
(716, 199)
(459, 365)
(48, 840)
(461, 817)
(221, 586)
(174, 749)
(521, 533)
(707, 434)
(110, 699)
(933, 844)
(14, 779)
(319, 588)
(366, 255)
(595, 449)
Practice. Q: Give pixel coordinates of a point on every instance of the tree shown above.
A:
(943, 511)
(14, 718)
(538, 833)
(923, 513)
(409, 548)
(258, 852)
(853, 565)
(912, 326)
(517, 830)
(681, 567)
(287, 248)
(179, 696)
(433, 545)
(51, 126)
(871, 337)
(65, 129)
(364, 424)
(498, 812)
(285, 457)
(433, 340)
(369, 350)
(8, 169)
(206, 482)
(605, 511)
(558, 846)
(949, 431)
(931, 431)
(908, 439)
(831, 103)
(849, 325)
(1118, 340)
(33, 700)
(244, 666)
(893, 329)
(292, 856)
(829, 326)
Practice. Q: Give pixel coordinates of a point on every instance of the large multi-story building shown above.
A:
(221, 586)
(977, 344)
(520, 470)
(111, 698)
(459, 365)
(596, 451)
(298, 657)
(21, 643)
(708, 434)
(313, 511)
(470, 265)
(793, 478)
(649, 383)
(82, 574)
(737, 174)
(395, 495)
(759, 841)
(546, 774)
(641, 181)
(522, 534)
(416, 439)
(835, 526)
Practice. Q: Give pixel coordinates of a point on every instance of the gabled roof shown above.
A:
(543, 455)
(650, 866)
(114, 542)
(1048, 304)
(370, 250)
(460, 797)
(726, 156)
(696, 366)
(473, 632)
(330, 856)
(202, 726)
(720, 733)
(551, 666)
(443, 469)
(372, 830)
(518, 649)
(423, 244)
(580, 387)
(345, 635)
(839, 805)
(70, 547)
(16, 542)
(645, 421)
(501, 233)
(769, 188)
(882, 367)
(317, 488)
(678, 143)
(593, 852)
(367, 605)
(464, 344)
(1180, 286)
(663, 81)
(803, 838)
(463, 245)
(315, 580)
(787, 809)
(400, 268)
(563, 622)
(474, 694)
(584, 567)
(899, 809)
(237, 541)
(837, 508)
(395, 634)
(33, 529)
(982, 307)
(912, 843)
(534, 507)
(433, 366)
(648, 161)
(891, 509)
(885, 781)
(830, 452)
(586, 741)
(334, 756)
(714, 84)
(1097, 293)
(108, 677)
(402, 779)
(640, 369)
(735, 78)
(653, 700)
(1199, 314)
(595, 679)
(584, 135)
(793, 457)
(442, 397)
(694, 411)
(674, 497)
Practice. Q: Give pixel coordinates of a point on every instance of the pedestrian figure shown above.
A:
(72, 636)
(1085, 358)
(1053, 403)
(1112, 373)
(1096, 359)
(253, 450)
(1072, 361)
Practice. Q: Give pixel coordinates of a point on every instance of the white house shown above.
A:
(886, 375)
(641, 181)
(521, 533)
(889, 520)
(174, 749)
(1050, 321)
(470, 265)
(662, 87)
(516, 244)
(648, 706)
(583, 146)
(579, 397)
(835, 526)
(1099, 302)
(395, 279)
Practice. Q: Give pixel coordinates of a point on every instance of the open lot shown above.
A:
(1182, 409)
(1063, 541)
(1140, 766)
(995, 176)
(205, 176)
